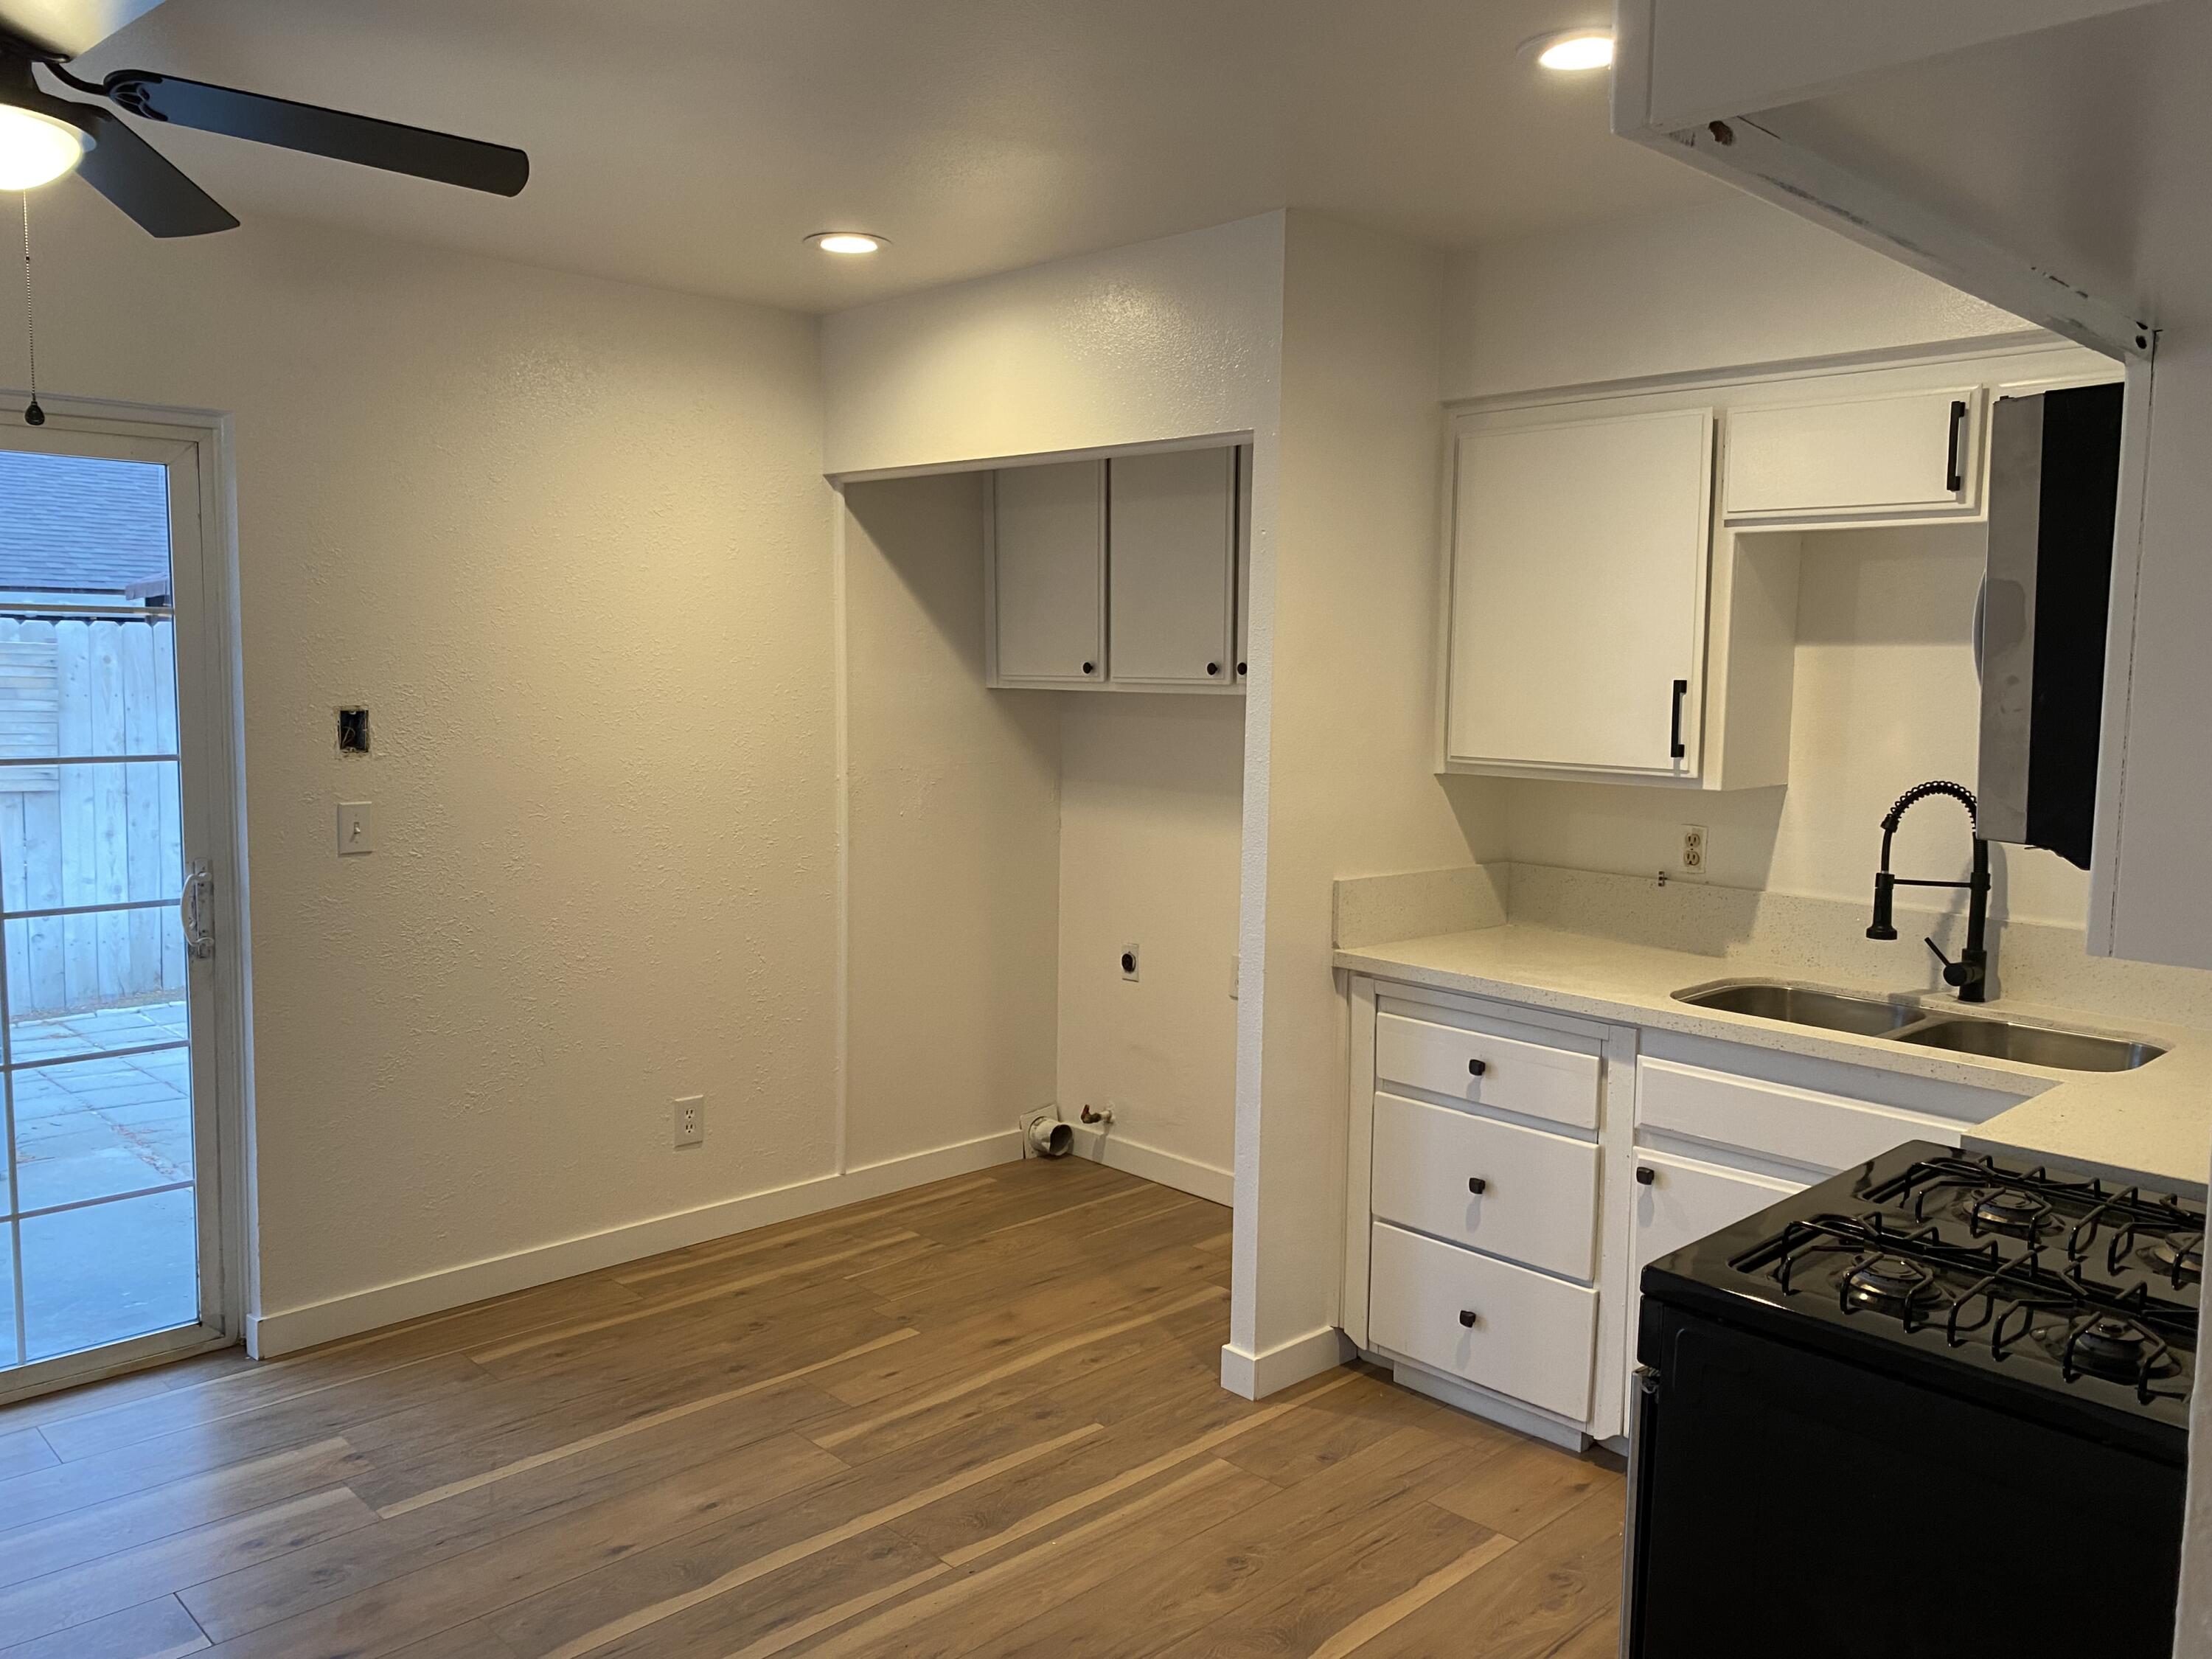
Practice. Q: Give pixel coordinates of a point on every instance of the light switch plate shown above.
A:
(356, 829)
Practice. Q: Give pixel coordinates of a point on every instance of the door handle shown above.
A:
(1954, 477)
(1674, 747)
(199, 943)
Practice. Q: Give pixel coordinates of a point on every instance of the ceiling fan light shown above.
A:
(36, 149)
(846, 241)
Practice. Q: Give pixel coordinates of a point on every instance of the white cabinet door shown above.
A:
(1912, 456)
(1244, 562)
(1685, 1200)
(1579, 558)
(1682, 1202)
(1048, 573)
(1172, 576)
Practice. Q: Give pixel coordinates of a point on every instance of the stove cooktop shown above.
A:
(2072, 1297)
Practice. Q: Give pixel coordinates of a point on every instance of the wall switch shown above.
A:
(1129, 963)
(357, 830)
(1693, 848)
(691, 1121)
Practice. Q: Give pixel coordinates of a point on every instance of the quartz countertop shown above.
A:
(2155, 1122)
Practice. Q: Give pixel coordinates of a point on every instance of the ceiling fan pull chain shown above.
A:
(32, 415)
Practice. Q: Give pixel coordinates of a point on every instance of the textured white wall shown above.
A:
(569, 540)
(1696, 289)
(1886, 697)
(954, 867)
(1172, 339)
(1340, 779)
(1150, 813)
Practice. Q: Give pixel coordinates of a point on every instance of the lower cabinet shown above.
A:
(1521, 1333)
(1683, 1201)
(1514, 1170)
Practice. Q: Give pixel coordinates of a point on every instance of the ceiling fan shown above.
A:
(44, 134)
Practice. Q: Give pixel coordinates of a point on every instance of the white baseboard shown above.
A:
(1150, 1164)
(1256, 1375)
(290, 1330)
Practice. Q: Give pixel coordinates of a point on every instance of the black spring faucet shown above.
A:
(1970, 973)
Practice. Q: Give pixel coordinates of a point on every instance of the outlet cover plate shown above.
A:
(689, 1120)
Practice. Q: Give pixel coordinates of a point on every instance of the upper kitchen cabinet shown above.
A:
(1623, 575)
(1579, 573)
(1172, 567)
(1124, 575)
(1908, 456)
(1046, 588)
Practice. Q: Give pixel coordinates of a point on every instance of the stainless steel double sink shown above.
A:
(1898, 1019)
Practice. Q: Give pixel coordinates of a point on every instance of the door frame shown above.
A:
(210, 707)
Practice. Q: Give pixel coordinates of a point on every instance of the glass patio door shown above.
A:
(113, 1249)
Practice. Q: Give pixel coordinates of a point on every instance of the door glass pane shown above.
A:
(100, 1222)
(108, 1272)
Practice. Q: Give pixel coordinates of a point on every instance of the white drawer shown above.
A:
(1538, 1201)
(1515, 1076)
(1825, 1132)
(1532, 1337)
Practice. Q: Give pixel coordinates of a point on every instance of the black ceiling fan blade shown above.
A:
(67, 27)
(468, 163)
(141, 181)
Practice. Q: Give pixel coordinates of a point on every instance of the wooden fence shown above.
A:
(90, 834)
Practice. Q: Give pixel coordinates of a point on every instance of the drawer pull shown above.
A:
(1477, 1067)
(1645, 1175)
(1477, 1185)
(1467, 1317)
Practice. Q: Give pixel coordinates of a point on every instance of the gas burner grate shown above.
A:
(2025, 1203)
(1927, 1282)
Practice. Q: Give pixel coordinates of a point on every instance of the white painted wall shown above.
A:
(569, 540)
(1886, 697)
(954, 836)
(1168, 339)
(1338, 777)
(1177, 337)
(1151, 793)
(1694, 290)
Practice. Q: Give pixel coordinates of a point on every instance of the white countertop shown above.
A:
(2155, 1120)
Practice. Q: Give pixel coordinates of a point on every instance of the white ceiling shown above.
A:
(692, 143)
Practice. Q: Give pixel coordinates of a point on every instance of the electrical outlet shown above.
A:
(690, 1121)
(1693, 848)
(1129, 963)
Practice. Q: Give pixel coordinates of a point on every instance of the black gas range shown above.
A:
(1940, 1399)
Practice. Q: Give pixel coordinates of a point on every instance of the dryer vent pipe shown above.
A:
(1050, 1137)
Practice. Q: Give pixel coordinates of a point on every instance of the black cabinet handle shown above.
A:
(1467, 1317)
(1955, 479)
(1240, 668)
(1674, 738)
(1213, 668)
(1090, 668)
(1645, 1175)
(1477, 1185)
(1477, 1067)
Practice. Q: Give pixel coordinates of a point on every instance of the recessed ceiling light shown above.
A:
(1572, 49)
(36, 149)
(848, 241)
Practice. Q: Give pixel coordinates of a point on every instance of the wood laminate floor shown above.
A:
(978, 1418)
